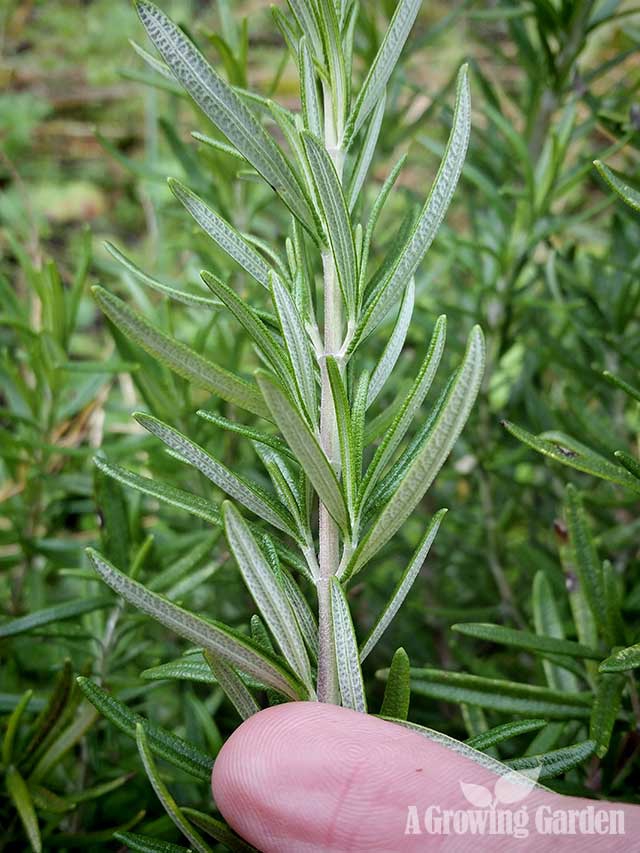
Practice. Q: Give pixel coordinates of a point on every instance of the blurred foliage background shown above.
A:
(535, 247)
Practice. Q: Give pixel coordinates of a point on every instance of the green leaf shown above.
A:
(56, 613)
(587, 565)
(430, 456)
(178, 357)
(221, 232)
(556, 762)
(187, 668)
(605, 709)
(562, 448)
(365, 153)
(265, 590)
(307, 19)
(505, 696)
(252, 434)
(233, 686)
(358, 424)
(286, 488)
(21, 799)
(403, 586)
(397, 691)
(376, 210)
(61, 742)
(382, 66)
(630, 463)
(146, 844)
(408, 410)
(622, 660)
(192, 299)
(97, 791)
(48, 722)
(232, 646)
(225, 109)
(249, 494)
(196, 841)
(173, 749)
(339, 80)
(335, 216)
(304, 615)
(115, 537)
(429, 220)
(297, 344)
(346, 651)
(305, 447)
(547, 622)
(47, 801)
(193, 504)
(218, 830)
(619, 185)
(252, 324)
(612, 605)
(394, 345)
(506, 731)
(12, 726)
(311, 108)
(525, 640)
(342, 410)
(617, 382)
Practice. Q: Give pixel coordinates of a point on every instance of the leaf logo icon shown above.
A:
(511, 788)
(477, 795)
(515, 785)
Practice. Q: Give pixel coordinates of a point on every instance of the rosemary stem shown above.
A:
(328, 533)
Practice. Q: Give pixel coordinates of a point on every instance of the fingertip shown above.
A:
(308, 776)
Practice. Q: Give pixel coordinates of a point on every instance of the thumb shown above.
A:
(307, 776)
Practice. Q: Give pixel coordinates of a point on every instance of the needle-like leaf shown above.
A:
(525, 640)
(173, 749)
(162, 792)
(21, 799)
(234, 687)
(562, 448)
(397, 691)
(382, 66)
(365, 153)
(403, 585)
(430, 457)
(230, 645)
(179, 357)
(346, 651)
(192, 299)
(619, 185)
(408, 410)
(309, 90)
(305, 446)
(335, 216)
(392, 350)
(249, 494)
(429, 220)
(225, 109)
(296, 342)
(622, 660)
(221, 232)
(269, 596)
(252, 324)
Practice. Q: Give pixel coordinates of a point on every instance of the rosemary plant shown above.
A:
(342, 485)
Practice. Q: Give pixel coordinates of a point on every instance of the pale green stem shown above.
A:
(328, 533)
